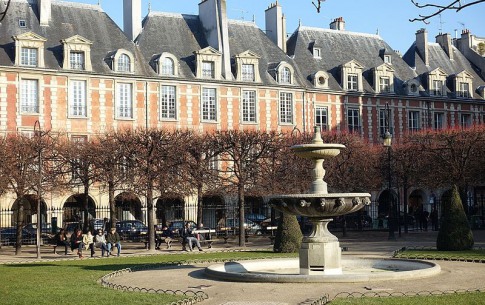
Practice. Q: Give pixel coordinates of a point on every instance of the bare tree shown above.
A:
(242, 154)
(4, 9)
(456, 5)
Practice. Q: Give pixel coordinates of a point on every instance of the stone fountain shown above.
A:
(320, 252)
(320, 258)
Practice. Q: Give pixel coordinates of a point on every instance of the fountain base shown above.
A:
(320, 258)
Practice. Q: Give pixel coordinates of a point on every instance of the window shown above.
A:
(353, 120)
(124, 63)
(385, 84)
(168, 67)
(439, 118)
(29, 57)
(168, 107)
(413, 121)
(209, 106)
(286, 108)
(464, 90)
(77, 98)
(387, 59)
(321, 117)
(249, 106)
(248, 73)
(208, 69)
(437, 87)
(383, 122)
(352, 82)
(22, 23)
(124, 109)
(77, 60)
(317, 53)
(466, 120)
(285, 76)
(29, 96)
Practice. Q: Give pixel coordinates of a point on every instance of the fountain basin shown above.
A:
(354, 270)
(317, 150)
(321, 205)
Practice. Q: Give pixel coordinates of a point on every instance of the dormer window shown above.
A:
(317, 53)
(208, 70)
(29, 50)
(320, 79)
(29, 57)
(22, 23)
(77, 60)
(412, 87)
(247, 67)
(208, 63)
(77, 53)
(384, 78)
(124, 63)
(384, 85)
(352, 76)
(436, 82)
(388, 59)
(168, 67)
(463, 81)
(285, 76)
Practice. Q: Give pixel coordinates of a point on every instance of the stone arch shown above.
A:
(72, 210)
(28, 209)
(169, 209)
(385, 198)
(128, 207)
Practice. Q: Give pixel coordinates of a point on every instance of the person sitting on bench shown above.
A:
(166, 237)
(61, 240)
(189, 237)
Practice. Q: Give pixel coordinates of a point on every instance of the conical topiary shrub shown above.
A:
(455, 233)
(288, 235)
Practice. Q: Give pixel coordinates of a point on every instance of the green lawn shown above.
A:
(76, 281)
(448, 255)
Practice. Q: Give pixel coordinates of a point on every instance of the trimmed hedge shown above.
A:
(288, 236)
(455, 233)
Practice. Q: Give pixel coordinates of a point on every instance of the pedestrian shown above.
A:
(189, 238)
(61, 240)
(113, 240)
(88, 242)
(424, 220)
(434, 219)
(100, 242)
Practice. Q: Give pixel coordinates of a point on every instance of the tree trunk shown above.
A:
(199, 205)
(112, 204)
(20, 224)
(85, 208)
(150, 216)
(240, 200)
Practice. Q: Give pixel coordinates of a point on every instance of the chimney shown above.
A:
(276, 25)
(213, 16)
(338, 24)
(422, 45)
(465, 41)
(132, 18)
(444, 40)
(44, 12)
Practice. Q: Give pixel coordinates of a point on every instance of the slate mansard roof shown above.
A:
(67, 19)
(438, 58)
(340, 47)
(182, 35)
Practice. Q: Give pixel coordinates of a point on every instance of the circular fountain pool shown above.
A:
(353, 270)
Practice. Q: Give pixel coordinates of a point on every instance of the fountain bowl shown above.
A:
(317, 151)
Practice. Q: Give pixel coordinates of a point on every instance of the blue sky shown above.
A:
(389, 17)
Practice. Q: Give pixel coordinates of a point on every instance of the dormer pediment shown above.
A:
(385, 68)
(438, 72)
(353, 64)
(464, 74)
(77, 39)
(248, 54)
(208, 51)
(31, 36)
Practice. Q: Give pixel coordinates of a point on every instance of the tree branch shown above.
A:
(454, 5)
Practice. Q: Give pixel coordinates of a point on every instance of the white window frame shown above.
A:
(29, 96)
(384, 84)
(353, 120)
(168, 102)
(321, 117)
(78, 98)
(209, 105)
(247, 73)
(77, 60)
(124, 63)
(29, 57)
(317, 53)
(167, 66)
(465, 120)
(208, 69)
(438, 87)
(285, 76)
(438, 120)
(464, 90)
(124, 101)
(388, 59)
(352, 82)
(249, 109)
(286, 108)
(414, 120)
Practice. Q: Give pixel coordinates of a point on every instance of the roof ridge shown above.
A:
(242, 22)
(78, 5)
(303, 28)
(176, 15)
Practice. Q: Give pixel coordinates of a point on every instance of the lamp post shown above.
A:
(38, 136)
(387, 143)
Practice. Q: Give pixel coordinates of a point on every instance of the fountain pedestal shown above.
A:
(320, 252)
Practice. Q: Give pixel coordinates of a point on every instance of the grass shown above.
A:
(455, 299)
(76, 281)
(446, 255)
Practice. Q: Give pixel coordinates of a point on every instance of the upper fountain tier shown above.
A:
(317, 149)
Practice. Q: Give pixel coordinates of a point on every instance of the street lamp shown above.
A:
(38, 136)
(387, 143)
